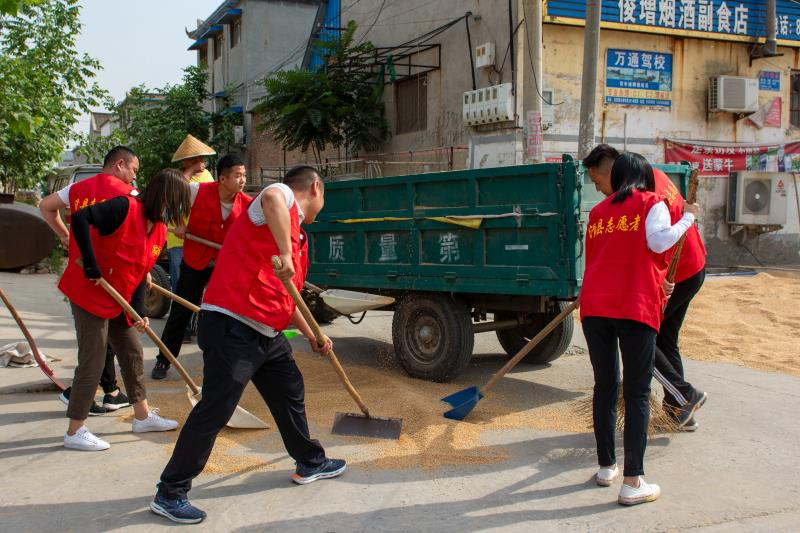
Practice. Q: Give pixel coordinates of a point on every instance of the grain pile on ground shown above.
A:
(428, 440)
(752, 321)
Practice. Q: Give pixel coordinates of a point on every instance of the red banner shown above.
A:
(720, 159)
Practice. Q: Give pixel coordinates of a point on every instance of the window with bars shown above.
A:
(794, 99)
(236, 32)
(411, 104)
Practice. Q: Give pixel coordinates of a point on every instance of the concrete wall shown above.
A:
(645, 128)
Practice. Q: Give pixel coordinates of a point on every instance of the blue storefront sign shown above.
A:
(638, 77)
(769, 80)
(715, 19)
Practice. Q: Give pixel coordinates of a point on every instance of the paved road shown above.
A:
(739, 472)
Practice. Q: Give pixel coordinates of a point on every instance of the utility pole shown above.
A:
(591, 53)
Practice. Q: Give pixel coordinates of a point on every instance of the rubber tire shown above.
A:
(156, 305)
(451, 323)
(547, 351)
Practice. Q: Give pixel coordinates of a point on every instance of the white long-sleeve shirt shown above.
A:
(661, 233)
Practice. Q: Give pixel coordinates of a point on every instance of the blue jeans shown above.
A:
(175, 256)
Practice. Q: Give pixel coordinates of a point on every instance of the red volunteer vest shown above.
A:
(623, 276)
(243, 280)
(205, 221)
(90, 191)
(124, 258)
(693, 254)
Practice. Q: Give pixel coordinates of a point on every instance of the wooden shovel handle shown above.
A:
(152, 334)
(195, 238)
(298, 300)
(530, 346)
(171, 295)
(691, 196)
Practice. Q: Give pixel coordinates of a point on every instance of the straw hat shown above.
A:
(192, 147)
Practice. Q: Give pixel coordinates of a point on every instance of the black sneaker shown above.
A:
(112, 403)
(304, 475)
(160, 370)
(94, 410)
(180, 511)
(686, 413)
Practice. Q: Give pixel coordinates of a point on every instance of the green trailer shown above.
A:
(463, 252)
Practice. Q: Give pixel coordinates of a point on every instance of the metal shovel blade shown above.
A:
(463, 402)
(241, 418)
(361, 426)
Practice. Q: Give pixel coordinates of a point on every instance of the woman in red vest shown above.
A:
(215, 207)
(129, 236)
(621, 301)
(681, 398)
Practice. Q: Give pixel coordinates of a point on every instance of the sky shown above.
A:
(139, 41)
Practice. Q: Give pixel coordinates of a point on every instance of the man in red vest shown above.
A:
(680, 397)
(244, 310)
(115, 179)
(215, 207)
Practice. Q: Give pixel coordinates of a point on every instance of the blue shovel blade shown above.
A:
(463, 402)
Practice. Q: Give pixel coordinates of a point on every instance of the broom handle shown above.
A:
(152, 334)
(31, 343)
(171, 295)
(298, 300)
(691, 196)
(530, 346)
(216, 246)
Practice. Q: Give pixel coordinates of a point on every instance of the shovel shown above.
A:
(241, 418)
(36, 355)
(464, 401)
(361, 425)
(289, 334)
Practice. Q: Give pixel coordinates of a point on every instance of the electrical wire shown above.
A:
(380, 11)
(533, 70)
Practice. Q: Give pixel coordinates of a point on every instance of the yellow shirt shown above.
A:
(203, 177)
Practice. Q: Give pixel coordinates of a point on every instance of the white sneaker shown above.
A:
(153, 422)
(606, 475)
(85, 440)
(642, 494)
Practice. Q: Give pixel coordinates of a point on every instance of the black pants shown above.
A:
(234, 354)
(108, 379)
(191, 284)
(668, 356)
(637, 344)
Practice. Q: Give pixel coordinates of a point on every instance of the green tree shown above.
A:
(341, 105)
(45, 85)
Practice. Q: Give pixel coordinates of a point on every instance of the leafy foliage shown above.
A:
(340, 106)
(45, 85)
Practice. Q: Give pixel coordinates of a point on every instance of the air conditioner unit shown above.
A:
(238, 134)
(733, 94)
(488, 105)
(757, 198)
(484, 55)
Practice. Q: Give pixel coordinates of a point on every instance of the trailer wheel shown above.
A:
(156, 305)
(550, 349)
(433, 337)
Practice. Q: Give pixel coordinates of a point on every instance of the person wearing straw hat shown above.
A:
(192, 155)
(215, 207)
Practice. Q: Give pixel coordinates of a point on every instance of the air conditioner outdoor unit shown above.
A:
(757, 198)
(238, 134)
(733, 94)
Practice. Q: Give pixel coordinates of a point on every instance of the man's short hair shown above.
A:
(301, 177)
(599, 154)
(227, 162)
(117, 153)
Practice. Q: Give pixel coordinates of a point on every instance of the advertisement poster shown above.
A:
(635, 77)
(720, 159)
(769, 80)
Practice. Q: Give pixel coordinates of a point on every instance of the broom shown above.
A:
(660, 420)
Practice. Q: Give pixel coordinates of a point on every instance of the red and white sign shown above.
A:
(774, 114)
(720, 159)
